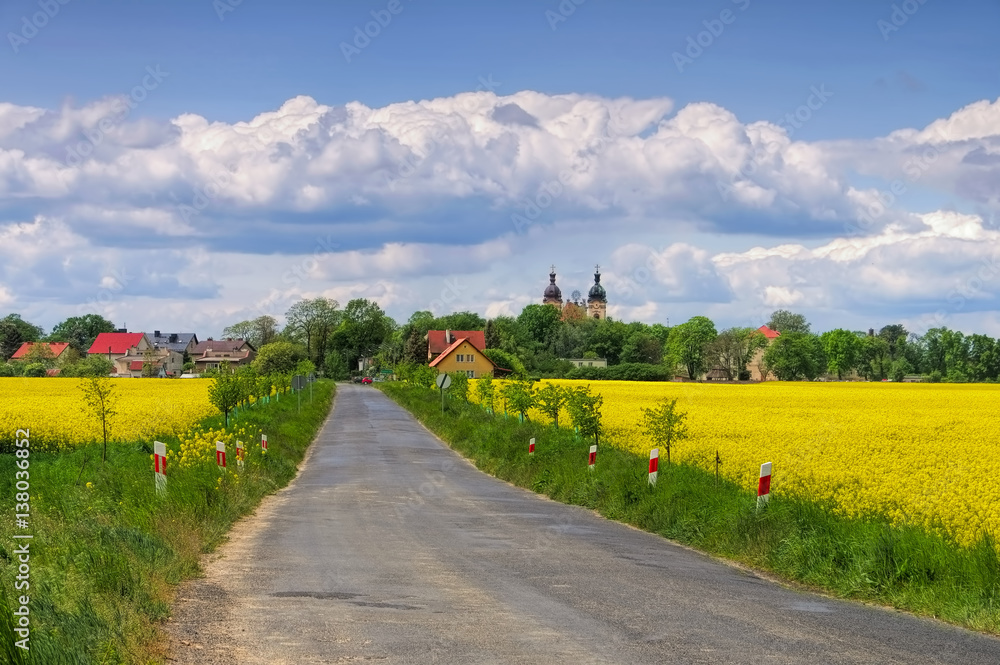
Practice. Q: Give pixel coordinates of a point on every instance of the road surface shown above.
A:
(389, 548)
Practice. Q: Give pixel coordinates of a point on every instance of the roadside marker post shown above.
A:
(593, 457)
(220, 454)
(764, 485)
(239, 455)
(160, 466)
(654, 463)
(263, 444)
(531, 446)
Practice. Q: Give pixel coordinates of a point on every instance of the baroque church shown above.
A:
(597, 299)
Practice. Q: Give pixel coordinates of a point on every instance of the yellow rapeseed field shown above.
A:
(53, 409)
(922, 453)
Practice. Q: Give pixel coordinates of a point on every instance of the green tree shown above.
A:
(873, 358)
(258, 332)
(81, 331)
(459, 321)
(642, 347)
(15, 331)
(550, 400)
(365, 326)
(313, 322)
(794, 356)
(415, 350)
(984, 358)
(842, 349)
(505, 360)
(335, 366)
(899, 369)
(895, 336)
(733, 349)
(608, 340)
(689, 344)
(585, 411)
(225, 393)
(486, 393)
(785, 322)
(459, 386)
(519, 396)
(665, 425)
(100, 400)
(278, 358)
(39, 353)
(539, 323)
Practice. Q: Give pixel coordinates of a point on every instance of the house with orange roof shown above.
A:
(464, 356)
(49, 350)
(439, 340)
(757, 371)
(121, 348)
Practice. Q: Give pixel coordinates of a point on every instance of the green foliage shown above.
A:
(226, 391)
(459, 386)
(363, 329)
(873, 358)
(733, 350)
(518, 396)
(335, 367)
(505, 360)
(539, 322)
(418, 375)
(258, 332)
(34, 370)
(622, 372)
(278, 358)
(689, 344)
(665, 425)
(795, 356)
(899, 369)
(585, 411)
(486, 393)
(313, 323)
(842, 349)
(550, 400)
(81, 331)
(100, 399)
(786, 322)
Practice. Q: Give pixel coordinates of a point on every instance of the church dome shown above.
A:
(597, 291)
(552, 291)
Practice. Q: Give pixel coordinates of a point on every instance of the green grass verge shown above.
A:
(106, 557)
(864, 559)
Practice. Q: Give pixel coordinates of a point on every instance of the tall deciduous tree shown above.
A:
(842, 349)
(363, 329)
(313, 322)
(689, 344)
(81, 331)
(260, 331)
(733, 350)
(785, 322)
(794, 356)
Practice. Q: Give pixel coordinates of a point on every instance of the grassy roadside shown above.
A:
(871, 560)
(107, 552)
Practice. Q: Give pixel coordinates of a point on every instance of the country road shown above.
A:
(389, 548)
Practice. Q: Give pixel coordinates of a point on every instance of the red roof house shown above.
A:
(55, 347)
(438, 341)
(768, 333)
(119, 343)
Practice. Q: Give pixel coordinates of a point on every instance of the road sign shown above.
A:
(298, 382)
(654, 463)
(160, 466)
(443, 381)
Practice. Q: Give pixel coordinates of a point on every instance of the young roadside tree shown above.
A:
(550, 400)
(100, 399)
(486, 393)
(665, 425)
(519, 397)
(585, 411)
(225, 391)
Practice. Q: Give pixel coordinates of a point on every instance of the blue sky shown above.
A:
(335, 126)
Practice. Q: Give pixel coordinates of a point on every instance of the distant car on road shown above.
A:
(367, 379)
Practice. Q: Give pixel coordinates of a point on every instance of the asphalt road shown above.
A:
(389, 547)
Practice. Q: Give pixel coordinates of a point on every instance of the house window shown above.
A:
(460, 358)
(470, 373)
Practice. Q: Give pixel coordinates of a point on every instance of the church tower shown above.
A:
(597, 299)
(552, 295)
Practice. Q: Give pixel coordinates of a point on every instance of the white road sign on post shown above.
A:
(764, 485)
(220, 454)
(160, 466)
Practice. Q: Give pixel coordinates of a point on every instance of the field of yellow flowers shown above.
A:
(53, 409)
(925, 454)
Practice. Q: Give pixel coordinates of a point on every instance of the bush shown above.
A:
(34, 370)
(622, 372)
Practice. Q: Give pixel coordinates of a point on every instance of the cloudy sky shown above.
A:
(184, 165)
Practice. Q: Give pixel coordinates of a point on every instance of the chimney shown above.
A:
(173, 338)
(871, 332)
(447, 337)
(156, 333)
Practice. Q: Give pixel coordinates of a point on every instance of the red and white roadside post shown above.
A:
(592, 460)
(239, 455)
(531, 446)
(160, 466)
(764, 485)
(220, 454)
(263, 444)
(654, 464)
